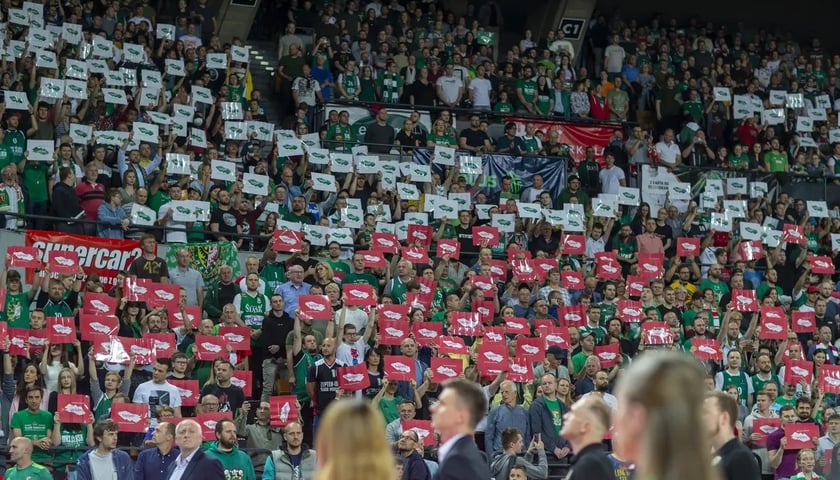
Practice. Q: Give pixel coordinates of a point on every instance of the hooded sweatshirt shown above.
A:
(236, 463)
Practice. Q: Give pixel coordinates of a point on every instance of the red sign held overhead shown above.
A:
(449, 248)
(492, 358)
(608, 354)
(23, 257)
(706, 349)
(426, 333)
(423, 429)
(444, 369)
(384, 242)
(398, 367)
(283, 410)
(774, 323)
(61, 330)
(358, 294)
(353, 378)
(73, 408)
(99, 304)
(419, 235)
(188, 390)
(287, 241)
(393, 332)
(573, 245)
(688, 247)
(485, 236)
(63, 262)
(239, 338)
(315, 307)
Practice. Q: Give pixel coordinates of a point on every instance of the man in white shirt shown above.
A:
(561, 46)
(602, 385)
(450, 89)
(351, 348)
(611, 177)
(176, 231)
(669, 152)
(158, 392)
(614, 57)
(480, 90)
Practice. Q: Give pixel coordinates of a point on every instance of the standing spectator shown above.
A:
(546, 417)
(176, 230)
(153, 463)
(293, 289)
(614, 57)
(508, 414)
(389, 87)
(66, 203)
(34, 423)
(188, 278)
(305, 89)
(224, 222)
(231, 397)
(322, 381)
(235, 462)
(669, 151)
(106, 461)
(721, 414)
(618, 102)
(503, 464)
(611, 177)
(113, 219)
(91, 195)
(149, 265)
(287, 40)
(450, 89)
(158, 392)
(276, 327)
(260, 434)
(12, 198)
(380, 136)
(479, 89)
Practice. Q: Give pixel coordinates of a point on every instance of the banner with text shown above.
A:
(578, 137)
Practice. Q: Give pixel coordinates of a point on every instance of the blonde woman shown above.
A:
(439, 136)
(350, 443)
(323, 275)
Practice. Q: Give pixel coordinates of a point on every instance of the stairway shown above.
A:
(263, 62)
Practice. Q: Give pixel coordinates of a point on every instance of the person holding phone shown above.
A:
(534, 461)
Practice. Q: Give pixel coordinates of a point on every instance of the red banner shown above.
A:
(579, 137)
(105, 257)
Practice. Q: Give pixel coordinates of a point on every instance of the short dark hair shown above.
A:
(220, 425)
(167, 362)
(472, 398)
(64, 173)
(103, 426)
(509, 437)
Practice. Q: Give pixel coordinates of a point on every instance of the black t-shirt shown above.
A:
(475, 138)
(230, 398)
(227, 220)
(375, 385)
(325, 378)
(591, 462)
(153, 270)
(465, 238)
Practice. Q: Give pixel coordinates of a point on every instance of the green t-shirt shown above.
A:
(776, 161)
(32, 472)
(578, 362)
(556, 413)
(503, 107)
(274, 275)
(159, 199)
(34, 426)
(361, 278)
(544, 102)
(739, 162)
(16, 312)
(608, 311)
(368, 90)
(389, 408)
(529, 90)
(71, 439)
(253, 309)
(293, 217)
(719, 288)
(339, 266)
(35, 181)
(6, 157)
(390, 85)
(759, 383)
(301, 369)
(16, 141)
(441, 139)
(741, 380)
(398, 289)
(341, 138)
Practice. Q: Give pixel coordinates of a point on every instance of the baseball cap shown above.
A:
(813, 289)
(585, 334)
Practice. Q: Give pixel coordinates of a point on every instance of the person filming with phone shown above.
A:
(534, 461)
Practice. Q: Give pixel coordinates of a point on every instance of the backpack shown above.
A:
(501, 466)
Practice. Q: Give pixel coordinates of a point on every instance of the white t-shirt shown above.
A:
(611, 179)
(175, 231)
(450, 86)
(481, 92)
(355, 316)
(306, 89)
(351, 354)
(614, 56)
(156, 395)
(668, 153)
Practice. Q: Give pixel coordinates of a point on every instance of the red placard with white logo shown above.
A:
(557, 337)
(492, 358)
(444, 368)
(393, 311)
(448, 247)
(100, 346)
(797, 370)
(630, 311)
(495, 335)
(210, 347)
(398, 367)
(37, 341)
(208, 423)
(19, 339)
(774, 323)
(650, 265)
(688, 247)
(794, 234)
(315, 307)
(63, 262)
(131, 417)
(706, 349)
(608, 266)
(829, 378)
(543, 266)
(419, 235)
(517, 326)
(141, 349)
(498, 270)
(73, 408)
(423, 428)
(91, 325)
(744, 300)
(524, 270)
(520, 370)
(239, 338)
(428, 286)
(542, 324)
(420, 301)
(163, 344)
(572, 315)
(448, 345)
(283, 410)
(485, 284)
(822, 265)
(657, 333)
(193, 315)
(136, 289)
(61, 330)
(373, 259)
(188, 390)
(287, 241)
(635, 286)
(384, 242)
(392, 332)
(572, 280)
(531, 348)
(764, 427)
(573, 245)
(99, 304)
(608, 354)
(165, 295)
(4, 331)
(465, 324)
(485, 236)
(485, 310)
(358, 294)
(415, 255)
(244, 379)
(803, 322)
(800, 435)
(426, 333)
(751, 250)
(24, 257)
(354, 378)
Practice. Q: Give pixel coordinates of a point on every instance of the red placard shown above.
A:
(492, 358)
(706, 349)
(393, 332)
(557, 337)
(635, 286)
(485, 310)
(420, 301)
(517, 326)
(498, 270)
(774, 323)
(415, 255)
(99, 304)
(630, 311)
(796, 370)
(37, 341)
(608, 354)
(188, 390)
(657, 333)
(428, 286)
(193, 315)
(63, 262)
(608, 266)
(524, 270)
(24, 257)
(315, 307)
(794, 234)
(373, 259)
(444, 369)
(239, 338)
(829, 378)
(426, 333)
(744, 300)
(287, 240)
(495, 335)
(531, 348)
(449, 248)
(384, 242)
(803, 322)
(208, 423)
(18, 340)
(751, 250)
(163, 343)
(73, 408)
(166, 295)
(465, 324)
(423, 429)
(393, 311)
(4, 331)
(485, 284)
(354, 378)
(822, 265)
(399, 367)
(210, 347)
(61, 330)
(100, 346)
(764, 427)
(485, 236)
(131, 417)
(141, 349)
(573, 245)
(543, 266)
(688, 247)
(541, 325)
(244, 379)
(800, 435)
(520, 370)
(358, 294)
(452, 346)
(572, 315)
(572, 280)
(283, 410)
(650, 265)
(136, 289)
(419, 235)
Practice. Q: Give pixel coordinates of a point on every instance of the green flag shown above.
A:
(207, 258)
(485, 38)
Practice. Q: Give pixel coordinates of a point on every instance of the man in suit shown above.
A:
(458, 410)
(736, 460)
(584, 426)
(193, 463)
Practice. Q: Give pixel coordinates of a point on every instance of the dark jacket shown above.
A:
(463, 462)
(415, 467)
(591, 463)
(738, 462)
(201, 467)
(542, 422)
(151, 465)
(274, 332)
(122, 465)
(66, 205)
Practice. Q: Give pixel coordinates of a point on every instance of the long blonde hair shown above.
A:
(350, 443)
(669, 388)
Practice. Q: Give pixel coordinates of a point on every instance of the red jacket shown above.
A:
(598, 108)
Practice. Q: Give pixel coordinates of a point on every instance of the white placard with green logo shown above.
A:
(401, 230)
(817, 114)
(723, 94)
(46, 59)
(471, 165)
(102, 47)
(835, 241)
(720, 222)
(151, 79)
(183, 112)
(290, 147)
(708, 201)
(222, 170)
(735, 208)
(165, 31)
(133, 52)
(97, 65)
(179, 127)
(40, 150)
(758, 189)
(175, 67)
(39, 39)
(114, 78)
(110, 137)
(316, 234)
(342, 235)
(115, 96)
(149, 97)
(483, 37)
(317, 156)
(505, 222)
(379, 211)
(239, 54)
(554, 217)
(444, 156)
(341, 162)
(714, 186)
(736, 185)
(574, 223)
(420, 173)
(367, 164)
(408, 191)
(261, 131)
(142, 215)
(76, 69)
(159, 118)
(352, 215)
(772, 237)
(323, 182)
(751, 231)
(777, 97)
(200, 210)
(417, 218)
(430, 200)
(51, 87)
(464, 200)
(382, 227)
(178, 163)
(388, 181)
(18, 16)
(804, 124)
(311, 140)
(202, 95)
(254, 184)
(71, 33)
(742, 107)
(446, 209)
(679, 191)
(236, 130)
(34, 9)
(181, 211)
(795, 100)
(145, 132)
(16, 100)
(600, 207)
(528, 210)
(359, 150)
(629, 196)
(217, 61)
(232, 111)
(75, 89)
(818, 209)
(80, 134)
(15, 49)
(198, 138)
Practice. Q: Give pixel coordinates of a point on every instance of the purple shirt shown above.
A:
(787, 468)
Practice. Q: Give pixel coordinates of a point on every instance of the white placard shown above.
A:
(263, 130)
(151, 79)
(708, 201)
(46, 59)
(464, 200)
(40, 150)
(75, 89)
(15, 49)
(554, 217)
(146, 132)
(444, 156)
(165, 31)
(115, 96)
(736, 185)
(181, 211)
(323, 182)
(110, 137)
(795, 100)
(232, 111)
(311, 140)
(178, 163)
(778, 97)
(80, 134)
(751, 231)
(679, 191)
(316, 234)
(236, 130)
(200, 210)
(183, 112)
(16, 100)
(254, 184)
(217, 61)
(341, 162)
(76, 69)
(420, 173)
(202, 95)
(198, 137)
(720, 222)
(239, 54)
(742, 107)
(382, 227)
(97, 65)
(629, 196)
(142, 215)
(834, 135)
(446, 209)
(102, 47)
(222, 170)
(772, 238)
(407, 191)
(822, 102)
(471, 165)
(528, 210)
(417, 218)
(341, 235)
(806, 141)
(601, 207)
(714, 186)
(133, 53)
(758, 189)
(735, 208)
(291, 147)
(318, 156)
(40, 39)
(723, 94)
(835, 242)
(773, 116)
(367, 164)
(51, 87)
(359, 150)
(818, 209)
(18, 16)
(505, 222)
(175, 67)
(71, 33)
(804, 124)
(149, 98)
(159, 118)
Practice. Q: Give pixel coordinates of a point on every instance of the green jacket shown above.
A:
(237, 464)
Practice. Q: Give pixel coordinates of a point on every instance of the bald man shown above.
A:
(20, 452)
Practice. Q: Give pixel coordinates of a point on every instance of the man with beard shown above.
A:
(236, 463)
(293, 462)
(298, 212)
(276, 327)
(736, 460)
(230, 396)
(260, 434)
(223, 220)
(149, 265)
(221, 293)
(414, 468)
(602, 386)
(301, 355)
(546, 417)
(322, 381)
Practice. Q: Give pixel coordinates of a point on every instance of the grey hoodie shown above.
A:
(501, 465)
